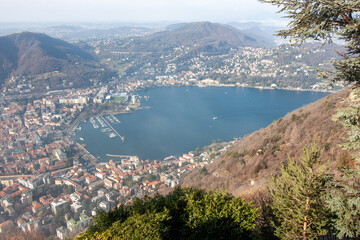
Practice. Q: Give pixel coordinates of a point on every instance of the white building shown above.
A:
(58, 204)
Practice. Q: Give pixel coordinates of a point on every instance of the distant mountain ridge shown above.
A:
(30, 54)
(200, 36)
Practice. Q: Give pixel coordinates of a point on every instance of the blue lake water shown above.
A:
(179, 119)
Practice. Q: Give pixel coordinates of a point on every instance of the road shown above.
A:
(31, 175)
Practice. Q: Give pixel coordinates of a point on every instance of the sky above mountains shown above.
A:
(137, 11)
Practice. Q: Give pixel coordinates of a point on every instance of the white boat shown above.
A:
(215, 118)
(112, 135)
(81, 138)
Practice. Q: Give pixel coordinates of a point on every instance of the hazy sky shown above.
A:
(134, 10)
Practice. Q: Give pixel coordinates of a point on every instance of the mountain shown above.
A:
(259, 29)
(30, 54)
(258, 33)
(198, 36)
(246, 166)
(70, 33)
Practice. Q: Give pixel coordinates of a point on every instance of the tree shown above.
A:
(324, 20)
(182, 214)
(349, 118)
(216, 215)
(298, 208)
(342, 197)
(344, 202)
(104, 220)
(146, 226)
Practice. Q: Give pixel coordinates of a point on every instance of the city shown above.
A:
(49, 181)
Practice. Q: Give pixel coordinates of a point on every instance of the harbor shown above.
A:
(114, 133)
(106, 125)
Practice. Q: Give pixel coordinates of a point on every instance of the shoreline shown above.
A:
(269, 88)
(123, 111)
(240, 86)
(71, 130)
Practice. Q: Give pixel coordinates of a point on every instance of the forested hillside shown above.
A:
(46, 61)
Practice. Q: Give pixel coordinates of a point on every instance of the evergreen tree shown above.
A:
(324, 20)
(349, 117)
(343, 197)
(298, 209)
(182, 214)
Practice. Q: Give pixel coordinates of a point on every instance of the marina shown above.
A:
(92, 120)
(106, 130)
(109, 119)
(106, 127)
(102, 123)
(115, 132)
(115, 119)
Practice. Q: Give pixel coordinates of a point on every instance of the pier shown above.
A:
(134, 159)
(119, 156)
(121, 137)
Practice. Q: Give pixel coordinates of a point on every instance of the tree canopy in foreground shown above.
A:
(182, 214)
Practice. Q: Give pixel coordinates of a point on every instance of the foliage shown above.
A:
(349, 117)
(344, 202)
(324, 20)
(343, 196)
(264, 229)
(203, 170)
(294, 117)
(59, 216)
(104, 220)
(152, 177)
(145, 226)
(68, 189)
(219, 215)
(297, 205)
(182, 214)
(234, 154)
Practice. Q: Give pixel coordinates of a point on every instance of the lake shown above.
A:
(179, 119)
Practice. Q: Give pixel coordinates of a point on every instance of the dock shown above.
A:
(121, 137)
(130, 158)
(119, 156)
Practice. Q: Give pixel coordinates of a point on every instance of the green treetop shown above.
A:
(184, 213)
(297, 205)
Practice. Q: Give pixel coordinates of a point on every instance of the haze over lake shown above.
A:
(179, 119)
